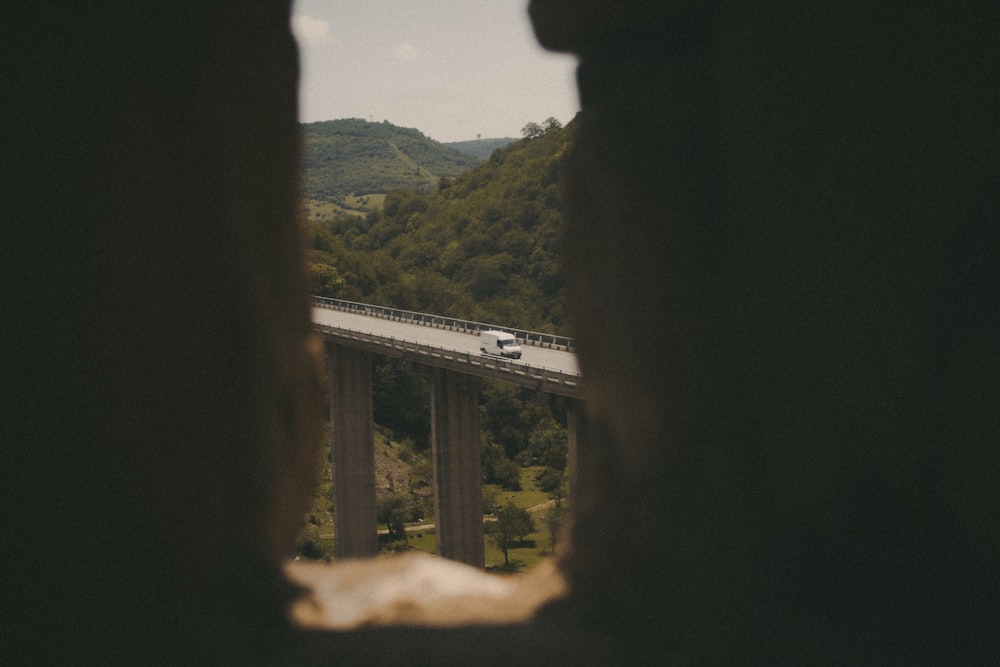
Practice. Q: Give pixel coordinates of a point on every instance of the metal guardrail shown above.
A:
(546, 379)
(437, 321)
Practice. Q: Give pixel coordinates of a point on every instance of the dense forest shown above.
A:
(482, 245)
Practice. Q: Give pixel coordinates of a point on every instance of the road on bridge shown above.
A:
(452, 340)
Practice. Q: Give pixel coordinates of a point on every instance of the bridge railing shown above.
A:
(548, 379)
(439, 322)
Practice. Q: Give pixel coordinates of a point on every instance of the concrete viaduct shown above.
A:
(352, 333)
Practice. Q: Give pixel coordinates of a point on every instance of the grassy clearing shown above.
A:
(424, 540)
(372, 202)
(536, 547)
(317, 210)
(529, 495)
(533, 550)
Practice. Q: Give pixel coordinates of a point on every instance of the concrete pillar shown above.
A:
(458, 484)
(352, 451)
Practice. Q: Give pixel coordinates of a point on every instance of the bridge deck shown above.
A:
(550, 370)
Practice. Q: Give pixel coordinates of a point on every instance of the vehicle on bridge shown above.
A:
(499, 344)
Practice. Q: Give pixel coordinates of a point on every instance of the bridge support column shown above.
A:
(352, 451)
(458, 484)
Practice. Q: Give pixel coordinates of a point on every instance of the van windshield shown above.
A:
(501, 343)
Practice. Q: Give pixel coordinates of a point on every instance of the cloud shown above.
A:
(405, 52)
(310, 31)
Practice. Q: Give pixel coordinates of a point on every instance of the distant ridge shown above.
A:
(480, 148)
(352, 163)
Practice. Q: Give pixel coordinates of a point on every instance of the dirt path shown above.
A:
(427, 526)
(542, 506)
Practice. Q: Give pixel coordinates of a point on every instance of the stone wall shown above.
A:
(798, 203)
(783, 255)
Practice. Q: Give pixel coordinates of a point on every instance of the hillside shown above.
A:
(351, 163)
(482, 246)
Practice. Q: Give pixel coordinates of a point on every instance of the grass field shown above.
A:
(317, 210)
(536, 547)
(366, 202)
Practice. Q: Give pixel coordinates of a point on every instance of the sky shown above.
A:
(453, 69)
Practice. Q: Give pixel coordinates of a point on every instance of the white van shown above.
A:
(499, 344)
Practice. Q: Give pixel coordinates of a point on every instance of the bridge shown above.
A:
(449, 348)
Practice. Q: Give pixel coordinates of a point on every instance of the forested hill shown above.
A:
(483, 246)
(346, 161)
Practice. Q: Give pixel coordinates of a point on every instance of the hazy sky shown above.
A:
(453, 69)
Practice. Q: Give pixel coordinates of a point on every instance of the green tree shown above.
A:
(326, 280)
(310, 545)
(547, 443)
(491, 498)
(401, 400)
(510, 414)
(532, 131)
(550, 479)
(512, 524)
(393, 510)
(497, 468)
